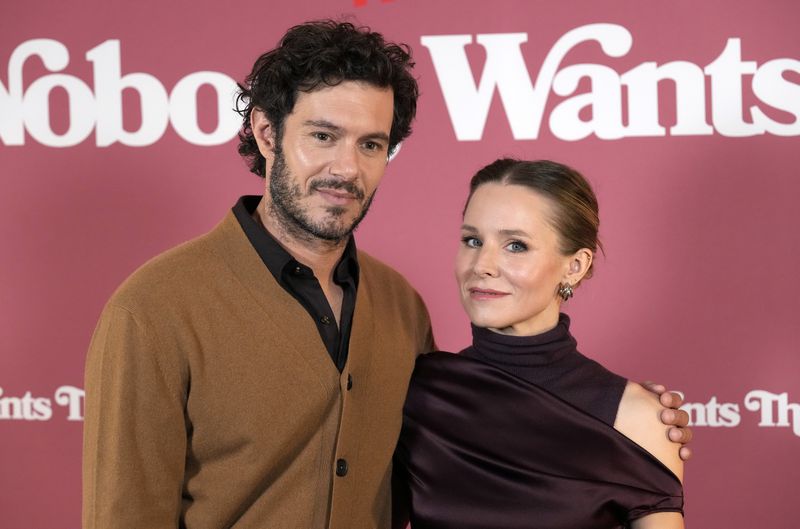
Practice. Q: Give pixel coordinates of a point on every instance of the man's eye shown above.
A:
(322, 136)
(373, 146)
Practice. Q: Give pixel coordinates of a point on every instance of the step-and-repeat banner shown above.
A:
(117, 141)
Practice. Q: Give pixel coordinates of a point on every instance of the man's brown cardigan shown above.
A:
(211, 401)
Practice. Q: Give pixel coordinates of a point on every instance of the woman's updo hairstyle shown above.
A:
(576, 218)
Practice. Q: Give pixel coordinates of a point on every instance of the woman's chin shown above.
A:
(493, 323)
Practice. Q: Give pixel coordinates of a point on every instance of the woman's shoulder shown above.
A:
(441, 368)
(638, 418)
(436, 360)
(443, 357)
(448, 360)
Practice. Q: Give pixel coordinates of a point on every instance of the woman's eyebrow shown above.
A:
(515, 233)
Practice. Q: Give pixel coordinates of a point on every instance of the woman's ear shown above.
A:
(263, 131)
(578, 265)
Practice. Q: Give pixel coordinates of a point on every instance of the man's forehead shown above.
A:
(353, 91)
(350, 103)
(345, 85)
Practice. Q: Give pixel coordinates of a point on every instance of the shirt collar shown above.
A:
(275, 256)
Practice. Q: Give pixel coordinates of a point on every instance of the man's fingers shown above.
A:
(675, 417)
(651, 386)
(671, 399)
(680, 435)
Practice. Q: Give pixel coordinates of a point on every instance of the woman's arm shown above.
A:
(659, 520)
(673, 416)
(638, 418)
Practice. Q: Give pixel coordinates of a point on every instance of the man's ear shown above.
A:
(263, 131)
(578, 265)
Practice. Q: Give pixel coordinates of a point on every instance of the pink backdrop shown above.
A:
(697, 181)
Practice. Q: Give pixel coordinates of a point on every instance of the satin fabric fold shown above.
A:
(551, 360)
(483, 449)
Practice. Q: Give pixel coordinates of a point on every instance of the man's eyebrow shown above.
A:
(377, 136)
(323, 124)
(327, 125)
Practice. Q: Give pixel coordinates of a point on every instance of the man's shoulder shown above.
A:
(390, 285)
(396, 300)
(177, 269)
(373, 269)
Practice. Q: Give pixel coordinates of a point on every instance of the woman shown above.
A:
(521, 430)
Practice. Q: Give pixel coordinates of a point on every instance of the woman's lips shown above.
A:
(486, 293)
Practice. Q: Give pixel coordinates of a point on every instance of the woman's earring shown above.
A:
(565, 291)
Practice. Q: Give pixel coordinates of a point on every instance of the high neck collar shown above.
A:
(540, 349)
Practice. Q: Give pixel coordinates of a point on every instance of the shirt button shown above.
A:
(298, 270)
(326, 320)
(341, 467)
(349, 382)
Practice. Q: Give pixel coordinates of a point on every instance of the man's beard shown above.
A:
(291, 215)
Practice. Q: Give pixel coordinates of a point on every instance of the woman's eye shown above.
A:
(471, 242)
(517, 246)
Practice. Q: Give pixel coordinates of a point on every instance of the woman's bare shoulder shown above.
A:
(638, 418)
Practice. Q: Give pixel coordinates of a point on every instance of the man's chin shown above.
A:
(337, 221)
(333, 232)
(330, 223)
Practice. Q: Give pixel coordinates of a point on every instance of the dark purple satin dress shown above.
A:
(483, 448)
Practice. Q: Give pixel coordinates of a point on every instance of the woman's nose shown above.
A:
(485, 263)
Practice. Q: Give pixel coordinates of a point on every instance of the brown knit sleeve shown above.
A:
(134, 431)
(428, 342)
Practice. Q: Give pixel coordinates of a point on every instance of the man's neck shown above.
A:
(318, 254)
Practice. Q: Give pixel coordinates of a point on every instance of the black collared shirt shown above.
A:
(299, 280)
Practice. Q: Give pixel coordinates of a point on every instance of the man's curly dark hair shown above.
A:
(324, 52)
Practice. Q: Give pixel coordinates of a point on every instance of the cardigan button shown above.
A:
(349, 382)
(341, 467)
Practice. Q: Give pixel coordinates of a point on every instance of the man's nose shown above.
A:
(346, 161)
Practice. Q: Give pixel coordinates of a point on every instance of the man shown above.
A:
(255, 377)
